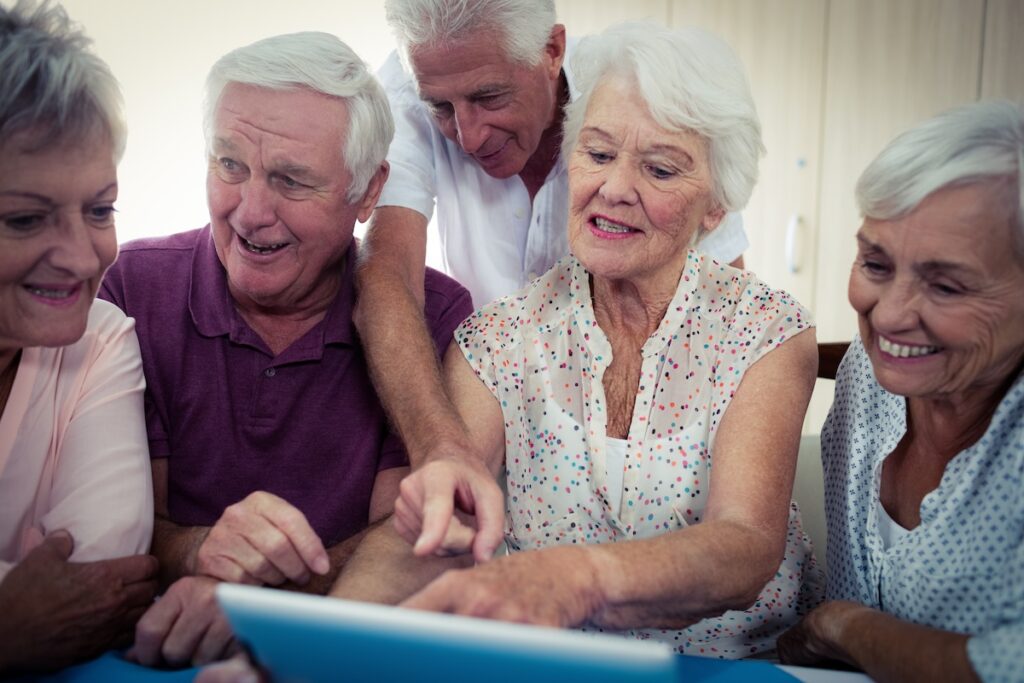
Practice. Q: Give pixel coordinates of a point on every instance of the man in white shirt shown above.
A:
(478, 128)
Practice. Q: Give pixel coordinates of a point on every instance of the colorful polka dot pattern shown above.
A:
(543, 357)
(962, 568)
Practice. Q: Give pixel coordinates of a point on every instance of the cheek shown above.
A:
(220, 196)
(106, 248)
(859, 293)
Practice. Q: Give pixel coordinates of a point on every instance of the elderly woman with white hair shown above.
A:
(644, 399)
(76, 502)
(924, 447)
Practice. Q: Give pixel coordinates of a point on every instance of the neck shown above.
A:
(623, 305)
(543, 158)
(950, 424)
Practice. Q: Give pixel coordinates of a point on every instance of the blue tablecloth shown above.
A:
(112, 668)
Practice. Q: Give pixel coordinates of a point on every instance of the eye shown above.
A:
(289, 183)
(874, 267)
(599, 157)
(228, 164)
(660, 172)
(101, 215)
(944, 289)
(23, 222)
(440, 110)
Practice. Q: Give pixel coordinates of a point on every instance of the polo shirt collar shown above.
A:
(214, 314)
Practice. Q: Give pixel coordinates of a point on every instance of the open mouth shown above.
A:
(261, 249)
(905, 350)
(605, 225)
(57, 294)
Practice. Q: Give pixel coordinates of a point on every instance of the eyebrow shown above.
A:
(43, 199)
(658, 149)
(927, 267)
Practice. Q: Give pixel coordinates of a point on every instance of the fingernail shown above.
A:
(322, 565)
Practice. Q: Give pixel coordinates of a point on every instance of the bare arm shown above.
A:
(886, 648)
(678, 578)
(399, 348)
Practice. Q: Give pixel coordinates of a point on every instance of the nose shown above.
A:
(76, 251)
(898, 307)
(470, 131)
(619, 184)
(255, 206)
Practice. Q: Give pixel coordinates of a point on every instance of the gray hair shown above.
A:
(51, 84)
(968, 144)
(524, 25)
(690, 80)
(320, 62)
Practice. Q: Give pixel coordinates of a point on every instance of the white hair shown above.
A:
(690, 80)
(968, 144)
(523, 25)
(319, 62)
(51, 84)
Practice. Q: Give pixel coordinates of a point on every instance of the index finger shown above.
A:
(489, 507)
(294, 525)
(434, 597)
(437, 515)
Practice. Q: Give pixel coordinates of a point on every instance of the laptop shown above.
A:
(304, 638)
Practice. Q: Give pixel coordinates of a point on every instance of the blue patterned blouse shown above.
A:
(962, 568)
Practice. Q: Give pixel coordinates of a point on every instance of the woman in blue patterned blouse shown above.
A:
(924, 448)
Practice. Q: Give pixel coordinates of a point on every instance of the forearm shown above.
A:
(681, 577)
(176, 548)
(340, 555)
(383, 569)
(404, 363)
(890, 649)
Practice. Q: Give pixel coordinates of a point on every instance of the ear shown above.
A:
(554, 51)
(369, 201)
(713, 218)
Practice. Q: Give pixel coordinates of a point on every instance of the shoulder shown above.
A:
(539, 306)
(443, 293)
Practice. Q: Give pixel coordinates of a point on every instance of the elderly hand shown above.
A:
(818, 636)
(553, 587)
(56, 612)
(262, 539)
(185, 626)
(425, 512)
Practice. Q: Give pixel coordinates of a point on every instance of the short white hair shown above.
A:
(972, 143)
(51, 84)
(324, 64)
(524, 25)
(689, 80)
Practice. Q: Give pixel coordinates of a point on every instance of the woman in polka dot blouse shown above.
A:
(645, 400)
(924, 447)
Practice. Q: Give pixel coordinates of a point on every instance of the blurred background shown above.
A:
(834, 80)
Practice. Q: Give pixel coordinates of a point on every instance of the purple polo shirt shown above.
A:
(230, 417)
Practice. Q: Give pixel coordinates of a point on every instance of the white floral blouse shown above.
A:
(542, 355)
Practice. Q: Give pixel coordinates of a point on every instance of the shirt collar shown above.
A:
(214, 314)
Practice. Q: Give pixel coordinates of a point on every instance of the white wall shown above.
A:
(161, 51)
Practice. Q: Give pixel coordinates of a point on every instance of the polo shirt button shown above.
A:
(270, 372)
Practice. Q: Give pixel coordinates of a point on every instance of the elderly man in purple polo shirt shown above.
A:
(271, 453)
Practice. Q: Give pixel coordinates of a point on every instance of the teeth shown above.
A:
(50, 293)
(259, 248)
(904, 351)
(608, 226)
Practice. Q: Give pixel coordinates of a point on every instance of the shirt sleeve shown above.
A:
(764, 318)
(112, 289)
(102, 491)
(728, 241)
(998, 655)
(411, 180)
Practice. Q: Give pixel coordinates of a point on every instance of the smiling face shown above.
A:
(56, 237)
(940, 295)
(276, 188)
(495, 109)
(638, 192)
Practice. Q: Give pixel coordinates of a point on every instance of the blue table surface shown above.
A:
(111, 667)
